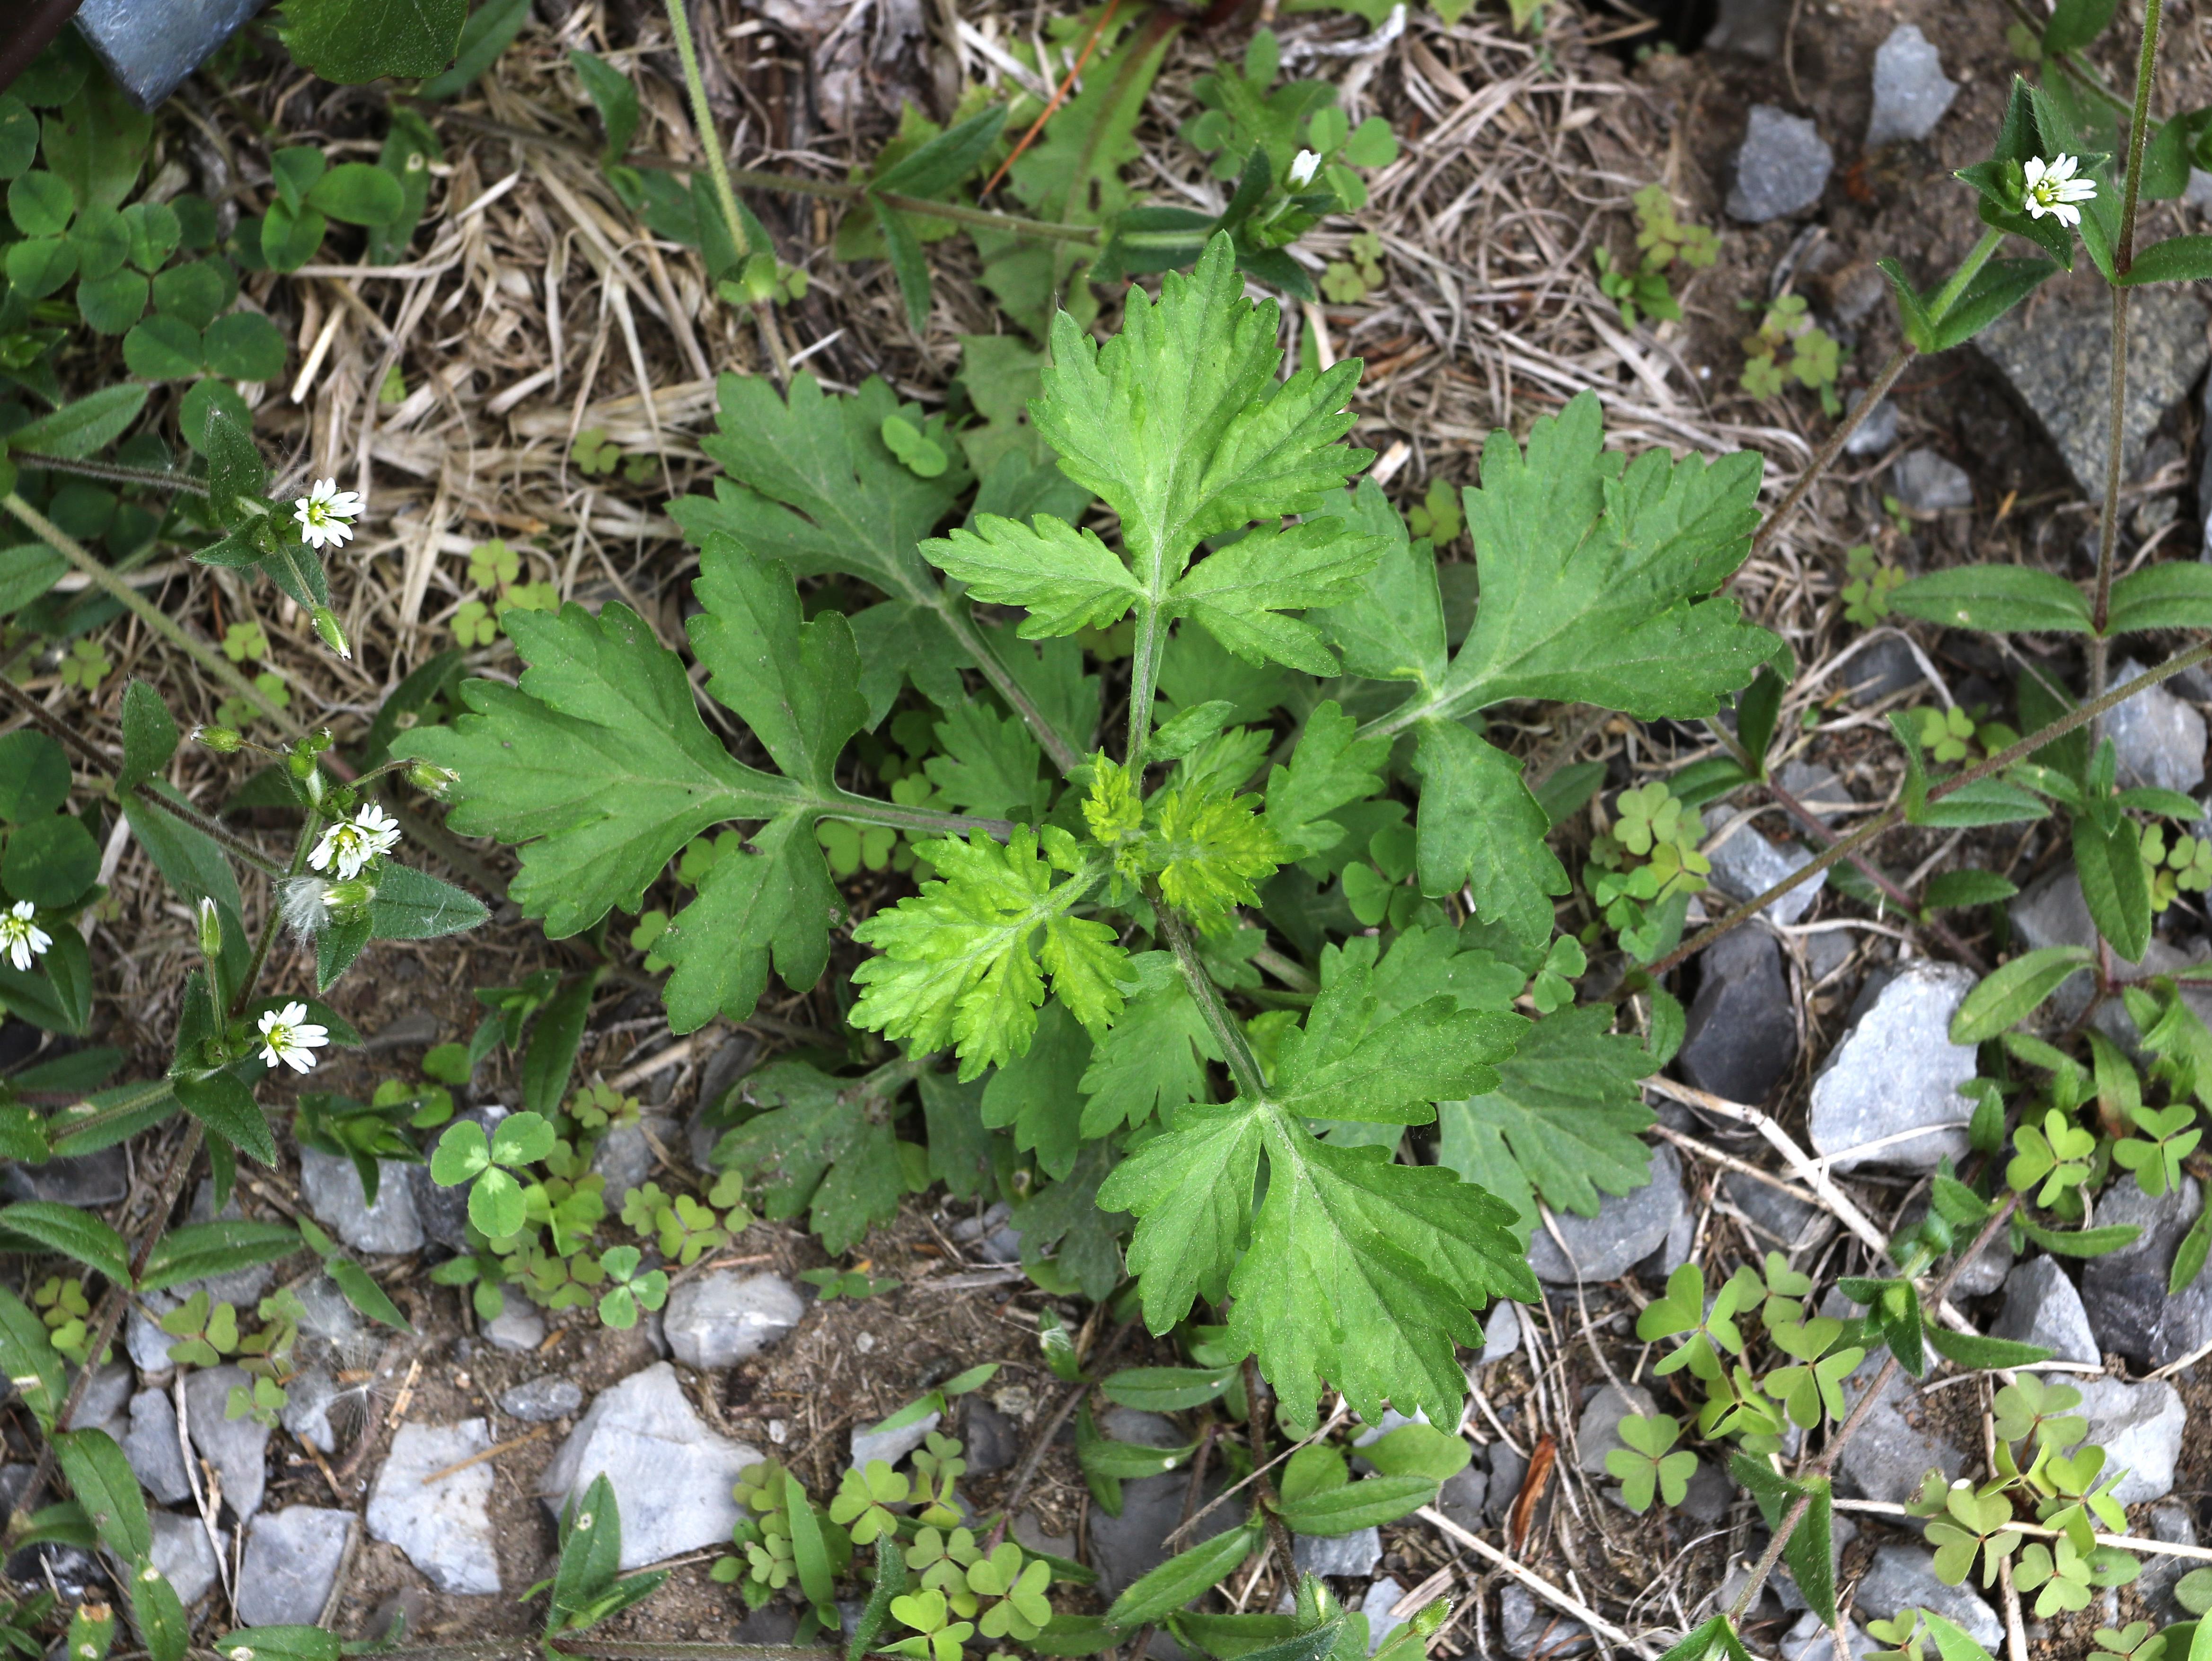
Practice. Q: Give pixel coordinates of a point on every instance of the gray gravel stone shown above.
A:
(331, 1188)
(1531, 1628)
(154, 1449)
(2140, 1426)
(1353, 1555)
(1501, 1331)
(541, 1401)
(106, 1403)
(90, 1181)
(992, 1440)
(892, 1445)
(1124, 1548)
(2042, 1307)
(143, 1337)
(1781, 168)
(291, 1563)
(1507, 1472)
(1462, 1496)
(1598, 1432)
(2158, 739)
(625, 1156)
(1628, 1228)
(1708, 1496)
(1903, 1578)
(1741, 1037)
(1376, 1606)
(307, 1410)
(1897, 1443)
(1778, 1215)
(516, 1328)
(1910, 91)
(2124, 1291)
(1747, 865)
(1927, 484)
(1896, 1070)
(183, 1555)
(2171, 1523)
(2056, 352)
(671, 1475)
(1874, 435)
(1808, 1641)
(237, 1448)
(717, 1320)
(444, 1526)
(1887, 666)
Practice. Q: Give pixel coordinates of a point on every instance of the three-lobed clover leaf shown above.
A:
(1808, 1391)
(2057, 1155)
(938, 1636)
(2156, 1157)
(1645, 1466)
(862, 1498)
(465, 1154)
(620, 1304)
(1972, 1523)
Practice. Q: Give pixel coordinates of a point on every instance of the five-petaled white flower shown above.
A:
(352, 844)
(1303, 168)
(21, 937)
(326, 514)
(2052, 189)
(288, 1037)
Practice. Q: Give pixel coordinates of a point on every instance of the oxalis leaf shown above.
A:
(599, 765)
(1358, 1271)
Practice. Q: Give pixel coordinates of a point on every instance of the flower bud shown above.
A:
(221, 739)
(432, 781)
(349, 895)
(210, 923)
(326, 625)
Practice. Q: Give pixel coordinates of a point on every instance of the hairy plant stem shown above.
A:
(1243, 1065)
(1825, 458)
(1144, 679)
(2078, 716)
(69, 739)
(207, 657)
(114, 472)
(866, 810)
(959, 213)
(2124, 256)
(309, 827)
(1860, 1411)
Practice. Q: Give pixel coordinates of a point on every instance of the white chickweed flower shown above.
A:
(326, 514)
(21, 937)
(351, 844)
(2052, 189)
(1303, 169)
(288, 1037)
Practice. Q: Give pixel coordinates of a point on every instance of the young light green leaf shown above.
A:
(1066, 579)
(1330, 768)
(960, 962)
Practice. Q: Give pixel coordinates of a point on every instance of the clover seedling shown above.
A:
(619, 1305)
(1645, 1465)
(464, 1155)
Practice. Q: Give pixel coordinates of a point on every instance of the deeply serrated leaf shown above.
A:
(1179, 422)
(1067, 579)
(599, 763)
(1153, 1058)
(820, 1143)
(1481, 829)
(962, 962)
(1330, 767)
(1567, 1111)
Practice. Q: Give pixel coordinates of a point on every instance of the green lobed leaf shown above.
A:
(355, 41)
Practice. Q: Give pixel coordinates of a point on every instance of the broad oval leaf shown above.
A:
(223, 1103)
(1971, 1349)
(104, 1484)
(223, 1247)
(1362, 1505)
(1166, 1389)
(1181, 1578)
(73, 1233)
(2011, 992)
(1996, 598)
